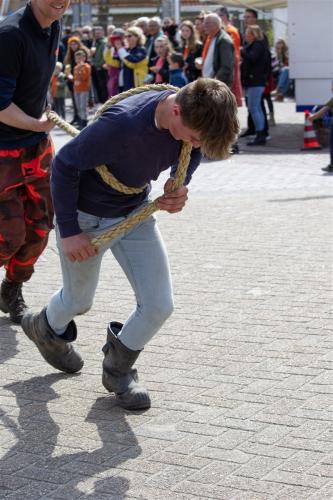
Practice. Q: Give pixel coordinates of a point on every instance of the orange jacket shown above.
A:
(82, 77)
(234, 33)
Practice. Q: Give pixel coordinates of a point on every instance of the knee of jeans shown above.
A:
(159, 313)
(252, 107)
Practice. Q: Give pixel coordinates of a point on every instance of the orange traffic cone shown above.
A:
(310, 138)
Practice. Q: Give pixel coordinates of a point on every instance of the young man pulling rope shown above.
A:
(137, 138)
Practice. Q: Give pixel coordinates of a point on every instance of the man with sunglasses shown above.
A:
(29, 42)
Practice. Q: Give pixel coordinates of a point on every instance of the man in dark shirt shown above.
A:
(137, 139)
(28, 52)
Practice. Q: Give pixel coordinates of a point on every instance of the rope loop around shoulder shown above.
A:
(103, 171)
(110, 180)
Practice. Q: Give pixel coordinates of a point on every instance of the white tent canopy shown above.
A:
(256, 4)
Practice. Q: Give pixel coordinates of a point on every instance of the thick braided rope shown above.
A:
(183, 162)
(103, 171)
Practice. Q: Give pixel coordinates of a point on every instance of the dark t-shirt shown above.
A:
(28, 54)
(126, 139)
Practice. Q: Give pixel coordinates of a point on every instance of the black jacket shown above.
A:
(255, 64)
(191, 72)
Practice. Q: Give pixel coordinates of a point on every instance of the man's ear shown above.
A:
(176, 110)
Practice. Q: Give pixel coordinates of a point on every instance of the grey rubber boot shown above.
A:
(119, 376)
(12, 301)
(55, 349)
(271, 120)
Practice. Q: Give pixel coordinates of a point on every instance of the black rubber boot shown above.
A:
(119, 376)
(12, 301)
(55, 349)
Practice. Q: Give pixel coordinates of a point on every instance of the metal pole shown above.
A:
(4, 7)
(177, 10)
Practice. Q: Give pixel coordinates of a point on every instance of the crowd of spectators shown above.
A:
(95, 65)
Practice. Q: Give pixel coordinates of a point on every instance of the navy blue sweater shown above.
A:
(126, 139)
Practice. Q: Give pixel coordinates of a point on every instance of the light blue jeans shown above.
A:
(81, 100)
(254, 95)
(283, 82)
(142, 256)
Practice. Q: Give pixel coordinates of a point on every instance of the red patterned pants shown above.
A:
(26, 212)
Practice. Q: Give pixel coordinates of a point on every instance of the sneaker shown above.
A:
(329, 168)
(235, 149)
(12, 301)
(75, 121)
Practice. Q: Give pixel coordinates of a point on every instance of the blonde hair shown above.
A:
(136, 31)
(70, 53)
(256, 31)
(209, 107)
(166, 42)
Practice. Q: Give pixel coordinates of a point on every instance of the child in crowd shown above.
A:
(176, 70)
(113, 61)
(328, 107)
(280, 69)
(82, 83)
(160, 66)
(58, 90)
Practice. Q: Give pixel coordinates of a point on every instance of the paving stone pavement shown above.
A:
(240, 376)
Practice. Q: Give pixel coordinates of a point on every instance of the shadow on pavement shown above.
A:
(37, 434)
(304, 198)
(8, 340)
(286, 138)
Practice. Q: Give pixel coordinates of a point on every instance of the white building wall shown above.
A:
(311, 50)
(280, 24)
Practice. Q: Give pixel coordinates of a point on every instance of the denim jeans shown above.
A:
(254, 95)
(81, 100)
(142, 256)
(283, 82)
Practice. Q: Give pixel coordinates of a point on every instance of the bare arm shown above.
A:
(319, 113)
(15, 117)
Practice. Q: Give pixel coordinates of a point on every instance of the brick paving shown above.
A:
(240, 376)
